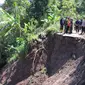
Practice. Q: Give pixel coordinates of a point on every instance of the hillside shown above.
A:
(56, 60)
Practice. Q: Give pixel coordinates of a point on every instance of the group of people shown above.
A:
(80, 25)
(67, 25)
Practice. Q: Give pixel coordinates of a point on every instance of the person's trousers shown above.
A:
(83, 29)
(71, 28)
(66, 29)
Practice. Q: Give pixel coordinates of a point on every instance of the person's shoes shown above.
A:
(63, 33)
(80, 34)
(70, 32)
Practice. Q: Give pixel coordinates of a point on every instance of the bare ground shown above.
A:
(58, 60)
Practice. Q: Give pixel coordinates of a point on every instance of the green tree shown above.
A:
(80, 5)
(18, 8)
(38, 9)
(68, 8)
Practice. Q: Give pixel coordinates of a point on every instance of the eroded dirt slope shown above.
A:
(58, 60)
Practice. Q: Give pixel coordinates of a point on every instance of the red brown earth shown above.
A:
(57, 60)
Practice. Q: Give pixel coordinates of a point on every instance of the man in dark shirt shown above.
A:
(77, 23)
(61, 24)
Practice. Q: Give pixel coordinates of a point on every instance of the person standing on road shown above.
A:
(65, 24)
(80, 24)
(61, 24)
(77, 25)
(83, 26)
(71, 27)
(68, 25)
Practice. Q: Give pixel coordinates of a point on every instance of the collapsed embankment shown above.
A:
(56, 60)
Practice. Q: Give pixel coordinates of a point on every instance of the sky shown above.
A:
(2, 2)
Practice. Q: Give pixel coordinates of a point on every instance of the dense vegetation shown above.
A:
(23, 20)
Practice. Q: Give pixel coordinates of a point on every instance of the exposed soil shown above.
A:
(55, 60)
